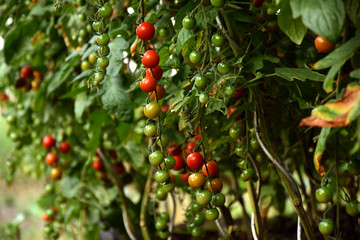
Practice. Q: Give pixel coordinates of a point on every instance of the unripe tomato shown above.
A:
(203, 98)
(180, 163)
(164, 234)
(203, 197)
(162, 176)
(212, 214)
(55, 173)
(322, 45)
(218, 200)
(195, 160)
(230, 90)
(26, 72)
(150, 130)
(156, 157)
(218, 40)
(103, 50)
(201, 81)
(195, 57)
(196, 207)
(103, 62)
(103, 39)
(196, 232)
(212, 167)
(254, 144)
(92, 58)
(98, 165)
(48, 142)
(163, 140)
(199, 219)
(157, 72)
(51, 159)
(150, 59)
(188, 23)
(152, 110)
(106, 11)
(169, 163)
(352, 208)
(161, 224)
(99, 76)
(323, 194)
(215, 185)
(218, 3)
(85, 65)
(235, 133)
(165, 216)
(326, 226)
(168, 186)
(223, 68)
(160, 92)
(196, 180)
(148, 84)
(145, 31)
(161, 195)
(248, 174)
(64, 147)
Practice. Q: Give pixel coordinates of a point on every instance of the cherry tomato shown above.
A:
(48, 142)
(323, 194)
(230, 90)
(103, 39)
(160, 224)
(223, 68)
(235, 133)
(161, 194)
(180, 163)
(145, 31)
(215, 185)
(326, 226)
(231, 110)
(203, 197)
(212, 167)
(196, 180)
(218, 40)
(163, 140)
(46, 218)
(174, 149)
(164, 215)
(257, 3)
(195, 57)
(64, 147)
(196, 232)
(199, 219)
(201, 81)
(103, 62)
(168, 186)
(196, 207)
(188, 23)
(162, 176)
(160, 92)
(239, 93)
(203, 98)
(4, 97)
(218, 200)
(51, 159)
(195, 160)
(157, 72)
(85, 65)
(148, 84)
(185, 176)
(156, 157)
(212, 214)
(99, 76)
(55, 173)
(103, 50)
(218, 3)
(164, 234)
(322, 45)
(152, 110)
(150, 59)
(92, 58)
(106, 10)
(248, 174)
(26, 72)
(190, 147)
(150, 130)
(119, 168)
(352, 208)
(98, 165)
(254, 144)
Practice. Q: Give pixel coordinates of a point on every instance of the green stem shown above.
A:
(255, 209)
(144, 204)
(230, 37)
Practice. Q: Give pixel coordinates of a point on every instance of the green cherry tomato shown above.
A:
(92, 58)
(169, 162)
(150, 130)
(106, 11)
(254, 144)
(326, 226)
(352, 208)
(103, 62)
(199, 219)
(103, 50)
(189, 214)
(203, 197)
(152, 110)
(82, 33)
(85, 65)
(241, 151)
(201, 81)
(11, 119)
(235, 133)
(204, 98)
(218, 200)
(259, 157)
(218, 40)
(162, 176)
(195, 57)
(99, 76)
(223, 68)
(243, 164)
(218, 3)
(165, 215)
(323, 194)
(354, 167)
(196, 207)
(230, 90)
(164, 234)
(196, 232)
(248, 174)
(161, 195)
(188, 23)
(103, 39)
(156, 157)
(161, 224)
(168, 186)
(81, 17)
(212, 214)
(252, 132)
(163, 32)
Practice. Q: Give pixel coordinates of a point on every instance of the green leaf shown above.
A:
(355, 74)
(70, 186)
(74, 92)
(352, 8)
(98, 118)
(164, 55)
(293, 28)
(183, 36)
(209, 12)
(116, 100)
(61, 75)
(329, 79)
(256, 63)
(324, 18)
(182, 13)
(301, 74)
(343, 53)
(219, 142)
(319, 150)
(83, 74)
(116, 55)
(241, 15)
(82, 102)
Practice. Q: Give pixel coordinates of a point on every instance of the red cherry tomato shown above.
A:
(4, 97)
(239, 93)
(46, 218)
(165, 108)
(48, 142)
(148, 84)
(145, 31)
(180, 163)
(64, 147)
(185, 176)
(174, 149)
(172, 177)
(212, 167)
(157, 71)
(150, 59)
(323, 45)
(119, 168)
(160, 92)
(195, 160)
(97, 165)
(197, 138)
(51, 159)
(26, 72)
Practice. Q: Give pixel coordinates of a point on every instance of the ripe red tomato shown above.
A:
(26, 72)
(97, 165)
(145, 31)
(51, 159)
(48, 142)
(185, 176)
(190, 147)
(160, 92)
(150, 59)
(119, 168)
(257, 3)
(239, 93)
(215, 185)
(212, 167)
(174, 149)
(64, 147)
(148, 84)
(180, 163)
(4, 97)
(231, 110)
(165, 108)
(323, 45)
(46, 218)
(157, 72)
(172, 177)
(195, 160)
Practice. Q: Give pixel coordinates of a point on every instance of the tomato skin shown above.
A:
(257, 3)
(180, 163)
(203, 98)
(106, 10)
(48, 142)
(223, 68)
(46, 218)
(103, 62)
(201, 81)
(64, 147)
(161, 195)
(152, 110)
(26, 72)
(162, 176)
(218, 40)
(196, 180)
(188, 23)
(185, 176)
(215, 185)
(51, 159)
(168, 186)
(218, 3)
(248, 174)
(235, 133)
(212, 214)
(148, 84)
(326, 226)
(161, 224)
(150, 130)
(174, 149)
(239, 93)
(119, 168)
(195, 160)
(230, 90)
(150, 59)
(212, 167)
(103, 39)
(55, 173)
(145, 31)
(218, 200)
(98, 165)
(322, 45)
(323, 194)
(157, 71)
(352, 208)
(196, 207)
(203, 197)
(195, 57)
(160, 93)
(156, 157)
(4, 97)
